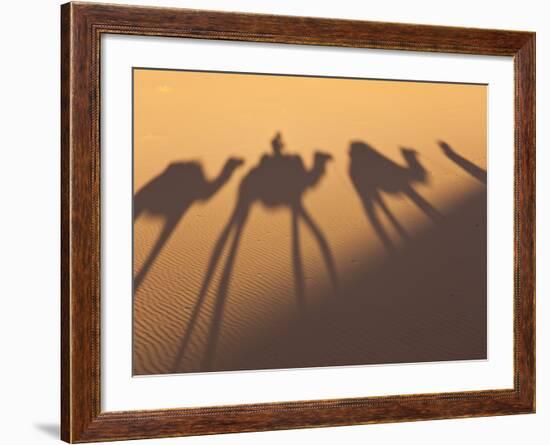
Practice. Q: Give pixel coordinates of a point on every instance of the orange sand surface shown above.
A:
(409, 266)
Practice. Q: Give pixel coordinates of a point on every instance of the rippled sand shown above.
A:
(423, 302)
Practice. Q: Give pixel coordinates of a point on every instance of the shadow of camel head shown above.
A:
(322, 157)
(409, 153)
(320, 160)
(312, 177)
(446, 148)
(232, 163)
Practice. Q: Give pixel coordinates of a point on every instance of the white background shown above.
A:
(29, 183)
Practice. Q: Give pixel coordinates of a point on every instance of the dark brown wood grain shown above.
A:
(81, 27)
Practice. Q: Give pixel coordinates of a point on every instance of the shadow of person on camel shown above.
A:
(278, 180)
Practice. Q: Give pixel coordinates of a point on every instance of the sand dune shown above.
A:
(423, 300)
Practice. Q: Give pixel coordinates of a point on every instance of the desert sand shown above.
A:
(399, 211)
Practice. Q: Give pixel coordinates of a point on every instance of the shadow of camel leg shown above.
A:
(223, 291)
(297, 263)
(214, 259)
(400, 229)
(424, 205)
(167, 230)
(323, 245)
(377, 226)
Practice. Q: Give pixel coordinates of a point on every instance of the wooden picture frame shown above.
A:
(82, 25)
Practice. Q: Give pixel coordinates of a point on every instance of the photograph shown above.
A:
(288, 221)
(276, 217)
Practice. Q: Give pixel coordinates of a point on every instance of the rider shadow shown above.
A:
(372, 174)
(279, 180)
(425, 303)
(169, 196)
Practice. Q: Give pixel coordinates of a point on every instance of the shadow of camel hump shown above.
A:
(278, 180)
(170, 194)
(372, 174)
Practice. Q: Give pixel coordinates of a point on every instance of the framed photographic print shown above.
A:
(276, 222)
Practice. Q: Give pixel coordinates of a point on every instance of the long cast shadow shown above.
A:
(170, 194)
(279, 180)
(426, 303)
(465, 164)
(372, 174)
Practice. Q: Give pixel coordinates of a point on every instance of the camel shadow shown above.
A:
(278, 180)
(169, 195)
(467, 166)
(372, 174)
(427, 302)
